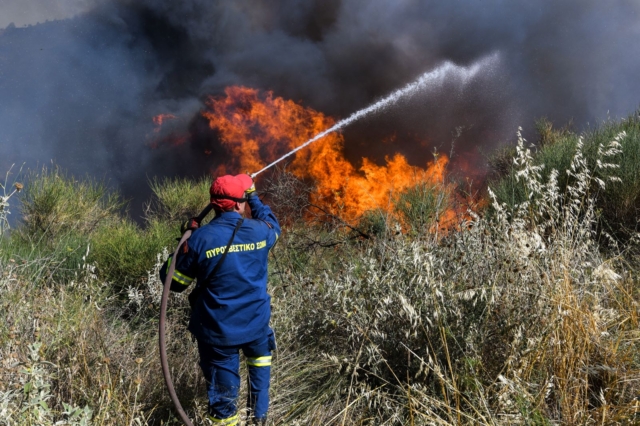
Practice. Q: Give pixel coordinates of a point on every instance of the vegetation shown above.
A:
(617, 202)
(518, 315)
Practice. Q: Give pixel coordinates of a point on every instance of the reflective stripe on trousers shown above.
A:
(229, 421)
(221, 365)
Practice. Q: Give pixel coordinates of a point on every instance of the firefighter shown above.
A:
(230, 305)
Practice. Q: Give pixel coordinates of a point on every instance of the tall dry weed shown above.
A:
(509, 320)
(513, 318)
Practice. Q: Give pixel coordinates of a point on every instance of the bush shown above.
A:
(63, 216)
(375, 223)
(422, 205)
(516, 315)
(60, 215)
(123, 252)
(288, 196)
(54, 204)
(47, 262)
(68, 357)
(618, 200)
(178, 199)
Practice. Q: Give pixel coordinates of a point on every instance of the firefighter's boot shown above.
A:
(258, 422)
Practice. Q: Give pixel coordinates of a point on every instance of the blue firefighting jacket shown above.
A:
(234, 306)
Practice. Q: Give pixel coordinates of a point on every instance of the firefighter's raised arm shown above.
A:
(264, 213)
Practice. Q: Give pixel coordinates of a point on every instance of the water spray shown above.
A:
(426, 80)
(429, 79)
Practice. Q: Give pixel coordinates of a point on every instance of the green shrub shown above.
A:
(498, 319)
(618, 200)
(55, 203)
(375, 223)
(422, 205)
(46, 261)
(177, 199)
(60, 214)
(123, 252)
(501, 162)
(548, 135)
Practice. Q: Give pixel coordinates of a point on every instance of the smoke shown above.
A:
(83, 91)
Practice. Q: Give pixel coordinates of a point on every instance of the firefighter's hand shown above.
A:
(190, 225)
(252, 189)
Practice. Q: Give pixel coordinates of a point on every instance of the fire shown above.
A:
(257, 128)
(171, 138)
(161, 118)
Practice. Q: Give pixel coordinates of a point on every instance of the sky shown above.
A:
(31, 12)
(80, 81)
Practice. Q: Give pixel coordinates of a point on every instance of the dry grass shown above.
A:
(514, 318)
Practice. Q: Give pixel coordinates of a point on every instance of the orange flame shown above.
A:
(257, 128)
(171, 139)
(161, 118)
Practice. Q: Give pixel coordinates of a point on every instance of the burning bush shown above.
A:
(512, 316)
(256, 128)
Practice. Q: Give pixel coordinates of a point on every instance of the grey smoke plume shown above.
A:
(83, 91)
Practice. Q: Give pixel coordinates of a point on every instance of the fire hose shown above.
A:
(167, 283)
(167, 288)
(203, 214)
(163, 315)
(409, 90)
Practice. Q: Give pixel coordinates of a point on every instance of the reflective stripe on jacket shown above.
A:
(234, 306)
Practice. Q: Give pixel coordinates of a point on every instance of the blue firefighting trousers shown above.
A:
(220, 366)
